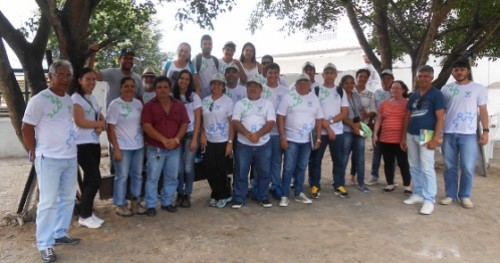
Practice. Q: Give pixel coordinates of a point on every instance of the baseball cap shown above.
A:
(218, 77)
(308, 64)
(148, 71)
(303, 76)
(126, 51)
(230, 44)
(231, 65)
(329, 66)
(386, 72)
(255, 79)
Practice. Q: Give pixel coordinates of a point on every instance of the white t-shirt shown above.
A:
(223, 65)
(207, 71)
(53, 120)
(173, 68)
(301, 112)
(462, 102)
(90, 113)
(190, 107)
(313, 86)
(126, 116)
(237, 93)
(331, 103)
(215, 118)
(274, 95)
(379, 96)
(253, 115)
(147, 96)
(366, 99)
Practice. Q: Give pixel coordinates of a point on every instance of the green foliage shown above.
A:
(202, 12)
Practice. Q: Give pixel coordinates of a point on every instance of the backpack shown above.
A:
(198, 62)
(340, 91)
(175, 74)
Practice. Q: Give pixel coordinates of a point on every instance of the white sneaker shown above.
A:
(89, 222)
(414, 199)
(372, 181)
(284, 202)
(427, 208)
(303, 199)
(446, 201)
(212, 202)
(467, 203)
(97, 219)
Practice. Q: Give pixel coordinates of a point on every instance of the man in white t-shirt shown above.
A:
(463, 99)
(253, 118)
(234, 90)
(206, 65)
(48, 121)
(335, 108)
(310, 70)
(148, 78)
(227, 59)
(298, 115)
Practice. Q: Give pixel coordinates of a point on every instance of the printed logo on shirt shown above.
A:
(466, 118)
(55, 101)
(125, 107)
(296, 100)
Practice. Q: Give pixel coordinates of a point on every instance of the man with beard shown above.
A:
(206, 65)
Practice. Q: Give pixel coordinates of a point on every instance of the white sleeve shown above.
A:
(196, 101)
(271, 114)
(482, 99)
(283, 106)
(113, 113)
(34, 111)
(237, 111)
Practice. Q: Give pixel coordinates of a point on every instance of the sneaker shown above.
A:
(169, 208)
(137, 207)
(372, 181)
(302, 198)
(283, 201)
(67, 240)
(446, 201)
(97, 219)
(467, 203)
(151, 212)
(179, 200)
(237, 205)
(212, 202)
(48, 255)
(89, 222)
(122, 210)
(223, 202)
(315, 192)
(186, 201)
(364, 189)
(341, 191)
(427, 208)
(266, 204)
(414, 199)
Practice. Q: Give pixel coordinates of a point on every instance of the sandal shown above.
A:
(389, 188)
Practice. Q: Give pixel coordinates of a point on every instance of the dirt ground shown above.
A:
(374, 227)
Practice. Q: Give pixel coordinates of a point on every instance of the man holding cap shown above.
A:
(148, 78)
(253, 118)
(234, 90)
(228, 53)
(335, 108)
(298, 114)
(310, 70)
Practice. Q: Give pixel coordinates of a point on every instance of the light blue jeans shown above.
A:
(423, 175)
(295, 163)
(129, 166)
(186, 166)
(166, 162)
(57, 184)
(461, 148)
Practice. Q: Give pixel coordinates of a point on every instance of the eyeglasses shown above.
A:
(62, 76)
(420, 101)
(211, 107)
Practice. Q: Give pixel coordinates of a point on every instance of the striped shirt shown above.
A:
(392, 121)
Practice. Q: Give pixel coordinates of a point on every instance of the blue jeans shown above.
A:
(186, 166)
(459, 148)
(275, 169)
(295, 163)
(422, 171)
(129, 166)
(166, 162)
(336, 148)
(57, 184)
(356, 144)
(258, 156)
(377, 155)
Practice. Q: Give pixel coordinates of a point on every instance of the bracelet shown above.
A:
(230, 141)
(318, 140)
(486, 130)
(177, 140)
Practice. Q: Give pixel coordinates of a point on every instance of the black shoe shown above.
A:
(179, 200)
(266, 203)
(388, 189)
(408, 192)
(67, 240)
(151, 212)
(169, 208)
(48, 255)
(186, 202)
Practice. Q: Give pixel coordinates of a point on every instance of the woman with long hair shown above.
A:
(247, 59)
(171, 69)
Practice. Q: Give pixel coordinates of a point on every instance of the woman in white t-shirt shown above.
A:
(126, 136)
(184, 91)
(88, 123)
(171, 69)
(217, 138)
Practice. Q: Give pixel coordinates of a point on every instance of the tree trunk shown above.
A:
(382, 34)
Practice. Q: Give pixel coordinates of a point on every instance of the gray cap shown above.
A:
(255, 79)
(148, 71)
(218, 77)
(303, 76)
(386, 72)
(308, 64)
(329, 66)
(232, 65)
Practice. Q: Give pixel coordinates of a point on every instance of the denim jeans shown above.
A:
(336, 148)
(275, 168)
(459, 148)
(258, 157)
(377, 155)
(130, 166)
(295, 163)
(57, 184)
(356, 144)
(166, 162)
(186, 166)
(423, 175)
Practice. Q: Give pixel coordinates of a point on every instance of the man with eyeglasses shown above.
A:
(423, 126)
(48, 120)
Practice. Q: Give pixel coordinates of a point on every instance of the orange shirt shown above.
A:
(392, 121)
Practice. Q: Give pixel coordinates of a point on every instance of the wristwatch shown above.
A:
(331, 121)
(486, 130)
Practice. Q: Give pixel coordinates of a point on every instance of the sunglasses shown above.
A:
(211, 107)
(420, 101)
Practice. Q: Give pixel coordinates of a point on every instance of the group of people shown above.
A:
(242, 115)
